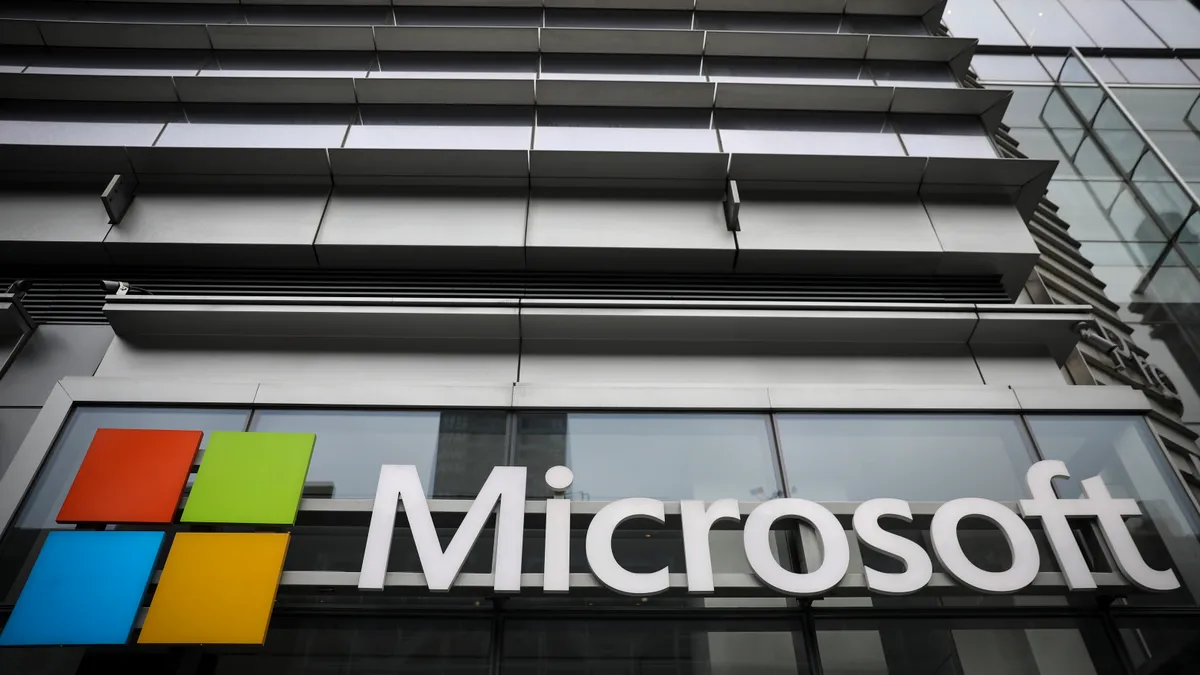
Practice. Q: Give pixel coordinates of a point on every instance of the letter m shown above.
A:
(506, 485)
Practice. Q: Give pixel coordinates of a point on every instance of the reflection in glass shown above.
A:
(1159, 109)
(640, 647)
(965, 647)
(1123, 451)
(980, 19)
(45, 498)
(337, 644)
(660, 456)
(913, 457)
(454, 452)
(1162, 646)
(1009, 68)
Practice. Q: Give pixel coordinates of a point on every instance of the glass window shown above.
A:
(1161, 645)
(1103, 211)
(769, 22)
(661, 456)
(616, 18)
(468, 16)
(454, 452)
(1155, 71)
(771, 132)
(914, 457)
(943, 136)
(1170, 349)
(1175, 21)
(1044, 23)
(1002, 68)
(1111, 23)
(1123, 451)
(980, 19)
(797, 71)
(1042, 144)
(641, 647)
(45, 498)
(335, 644)
(905, 646)
(1027, 105)
(1182, 150)
(1159, 109)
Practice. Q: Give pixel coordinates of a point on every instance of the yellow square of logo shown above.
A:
(216, 588)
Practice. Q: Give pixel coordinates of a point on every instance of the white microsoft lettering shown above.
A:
(506, 487)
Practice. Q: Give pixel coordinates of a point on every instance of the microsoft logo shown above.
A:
(87, 586)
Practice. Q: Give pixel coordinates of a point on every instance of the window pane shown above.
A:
(454, 452)
(1175, 21)
(964, 647)
(1155, 71)
(41, 506)
(1182, 149)
(442, 127)
(1161, 645)
(661, 456)
(355, 644)
(1111, 23)
(1123, 451)
(980, 19)
(915, 457)
(640, 647)
(1027, 105)
(1044, 23)
(1158, 109)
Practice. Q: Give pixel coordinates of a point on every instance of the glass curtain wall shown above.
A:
(833, 458)
(1125, 132)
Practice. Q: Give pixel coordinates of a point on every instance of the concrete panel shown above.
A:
(850, 235)
(980, 227)
(1017, 365)
(14, 424)
(567, 363)
(430, 231)
(52, 353)
(568, 232)
(207, 228)
(43, 227)
(311, 361)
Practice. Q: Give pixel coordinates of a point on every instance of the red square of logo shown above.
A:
(131, 476)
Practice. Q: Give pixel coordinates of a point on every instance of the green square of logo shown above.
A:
(250, 477)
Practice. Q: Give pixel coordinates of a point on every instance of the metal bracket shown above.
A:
(733, 204)
(118, 196)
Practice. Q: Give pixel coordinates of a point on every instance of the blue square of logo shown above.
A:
(85, 589)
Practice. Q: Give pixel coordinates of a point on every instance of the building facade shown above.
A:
(799, 256)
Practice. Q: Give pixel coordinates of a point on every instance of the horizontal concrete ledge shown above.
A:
(728, 584)
(142, 316)
(809, 398)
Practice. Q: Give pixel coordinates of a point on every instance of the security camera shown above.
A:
(114, 287)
